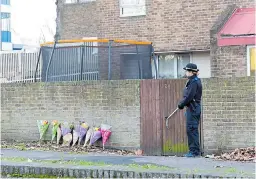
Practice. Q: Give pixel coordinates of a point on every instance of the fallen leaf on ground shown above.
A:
(239, 154)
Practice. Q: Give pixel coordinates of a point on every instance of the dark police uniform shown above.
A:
(192, 100)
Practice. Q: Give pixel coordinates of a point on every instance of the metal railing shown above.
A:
(70, 63)
(19, 67)
(80, 60)
(96, 59)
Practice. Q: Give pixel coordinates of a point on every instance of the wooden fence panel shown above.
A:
(159, 98)
(174, 138)
(151, 125)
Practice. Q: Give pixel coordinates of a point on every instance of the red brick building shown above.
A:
(181, 31)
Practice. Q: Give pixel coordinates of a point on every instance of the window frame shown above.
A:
(248, 58)
(78, 1)
(175, 62)
(6, 2)
(5, 15)
(141, 13)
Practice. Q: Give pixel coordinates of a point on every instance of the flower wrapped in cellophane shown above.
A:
(105, 133)
(55, 126)
(66, 130)
(88, 136)
(82, 131)
(43, 126)
(96, 135)
(79, 132)
(76, 134)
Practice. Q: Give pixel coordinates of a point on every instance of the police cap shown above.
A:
(191, 67)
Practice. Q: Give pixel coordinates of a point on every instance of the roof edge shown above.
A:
(223, 18)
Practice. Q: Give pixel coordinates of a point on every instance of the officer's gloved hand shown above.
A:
(180, 106)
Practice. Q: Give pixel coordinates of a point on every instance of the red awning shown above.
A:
(239, 29)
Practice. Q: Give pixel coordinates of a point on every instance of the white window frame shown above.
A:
(248, 59)
(175, 62)
(153, 61)
(71, 1)
(77, 1)
(136, 5)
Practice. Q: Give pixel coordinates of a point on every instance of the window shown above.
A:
(6, 36)
(6, 27)
(182, 61)
(251, 61)
(132, 8)
(71, 1)
(6, 21)
(203, 62)
(171, 65)
(5, 15)
(6, 2)
(77, 1)
(154, 66)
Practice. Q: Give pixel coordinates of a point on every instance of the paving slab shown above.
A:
(178, 165)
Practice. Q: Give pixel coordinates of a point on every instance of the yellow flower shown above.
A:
(54, 122)
(84, 125)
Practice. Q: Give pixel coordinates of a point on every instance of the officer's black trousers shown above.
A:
(192, 123)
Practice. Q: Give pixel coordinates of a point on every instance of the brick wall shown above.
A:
(116, 103)
(228, 61)
(170, 25)
(78, 20)
(228, 110)
(229, 113)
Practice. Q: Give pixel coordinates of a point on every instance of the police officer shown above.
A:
(191, 100)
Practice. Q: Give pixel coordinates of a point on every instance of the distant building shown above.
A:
(6, 43)
(6, 35)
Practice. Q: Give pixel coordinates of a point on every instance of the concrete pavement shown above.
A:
(161, 165)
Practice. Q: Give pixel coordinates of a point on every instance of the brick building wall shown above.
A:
(116, 103)
(227, 61)
(78, 20)
(228, 113)
(170, 25)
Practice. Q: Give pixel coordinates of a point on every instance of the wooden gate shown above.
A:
(159, 98)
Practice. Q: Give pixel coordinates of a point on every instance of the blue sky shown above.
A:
(33, 21)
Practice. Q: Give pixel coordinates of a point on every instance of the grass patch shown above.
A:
(85, 163)
(70, 162)
(16, 175)
(230, 170)
(150, 167)
(88, 163)
(14, 159)
(21, 146)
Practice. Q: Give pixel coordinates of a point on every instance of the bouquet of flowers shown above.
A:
(58, 134)
(76, 134)
(96, 135)
(42, 127)
(88, 136)
(66, 130)
(55, 126)
(83, 130)
(105, 133)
